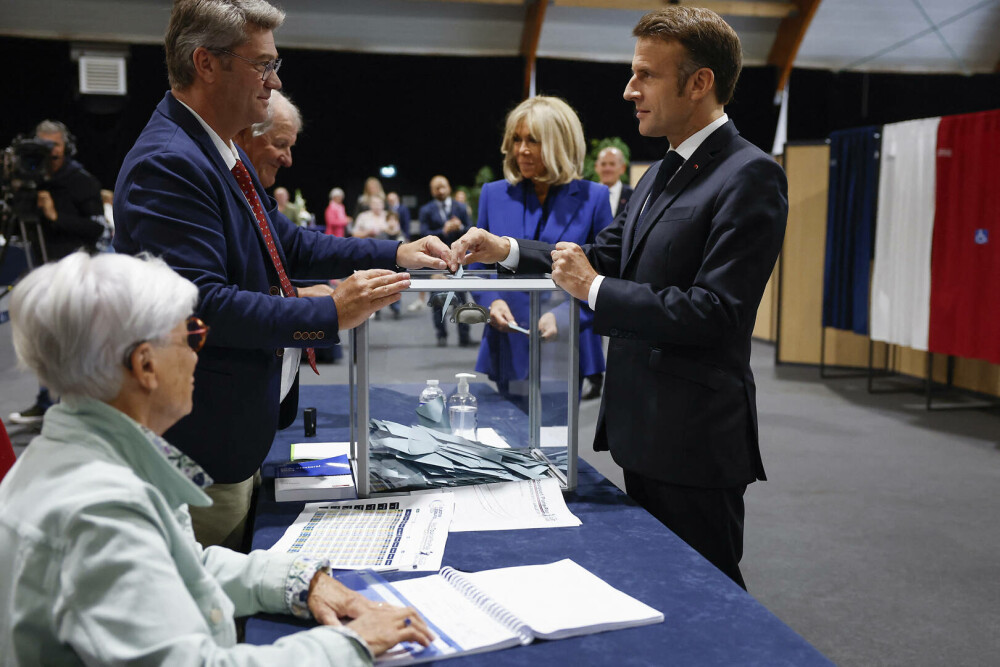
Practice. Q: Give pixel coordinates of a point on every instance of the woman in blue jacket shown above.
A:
(542, 197)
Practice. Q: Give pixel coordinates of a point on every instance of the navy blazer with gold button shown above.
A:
(176, 199)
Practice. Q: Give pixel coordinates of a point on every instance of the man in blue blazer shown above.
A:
(187, 194)
(675, 283)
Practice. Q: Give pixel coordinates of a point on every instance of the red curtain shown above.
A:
(965, 260)
(6, 452)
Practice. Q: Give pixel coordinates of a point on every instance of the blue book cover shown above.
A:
(337, 465)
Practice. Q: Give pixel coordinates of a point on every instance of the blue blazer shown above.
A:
(578, 211)
(176, 199)
(678, 301)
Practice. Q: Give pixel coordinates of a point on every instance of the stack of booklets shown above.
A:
(309, 480)
(475, 612)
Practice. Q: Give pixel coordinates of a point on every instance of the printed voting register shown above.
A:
(476, 612)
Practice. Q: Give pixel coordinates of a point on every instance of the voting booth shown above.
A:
(526, 429)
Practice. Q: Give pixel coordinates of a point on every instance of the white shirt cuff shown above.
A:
(592, 294)
(513, 258)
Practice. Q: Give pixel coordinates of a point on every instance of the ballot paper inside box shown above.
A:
(526, 429)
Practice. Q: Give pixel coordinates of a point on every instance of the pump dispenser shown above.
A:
(463, 409)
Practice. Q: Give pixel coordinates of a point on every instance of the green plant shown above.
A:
(598, 145)
(483, 176)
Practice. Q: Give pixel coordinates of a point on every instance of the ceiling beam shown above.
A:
(775, 9)
(791, 32)
(534, 17)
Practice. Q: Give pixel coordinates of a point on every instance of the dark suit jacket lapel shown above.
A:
(186, 120)
(567, 200)
(691, 169)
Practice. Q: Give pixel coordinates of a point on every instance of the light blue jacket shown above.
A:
(99, 565)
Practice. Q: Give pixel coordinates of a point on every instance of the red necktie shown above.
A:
(246, 185)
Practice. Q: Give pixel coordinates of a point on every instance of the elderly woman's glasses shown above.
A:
(197, 332)
(265, 67)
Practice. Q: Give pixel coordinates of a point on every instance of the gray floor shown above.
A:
(877, 536)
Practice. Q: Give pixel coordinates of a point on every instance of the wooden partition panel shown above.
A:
(800, 285)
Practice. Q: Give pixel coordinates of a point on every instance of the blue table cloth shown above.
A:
(709, 620)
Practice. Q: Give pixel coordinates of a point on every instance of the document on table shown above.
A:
(536, 503)
(395, 532)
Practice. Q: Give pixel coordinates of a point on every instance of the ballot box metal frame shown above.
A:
(475, 281)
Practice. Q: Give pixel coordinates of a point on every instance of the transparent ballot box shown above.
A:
(524, 421)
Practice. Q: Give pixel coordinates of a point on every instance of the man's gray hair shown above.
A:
(214, 24)
(53, 127)
(74, 320)
(280, 105)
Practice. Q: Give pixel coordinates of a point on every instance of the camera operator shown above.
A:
(70, 214)
(69, 201)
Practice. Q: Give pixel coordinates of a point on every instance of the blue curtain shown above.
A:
(850, 227)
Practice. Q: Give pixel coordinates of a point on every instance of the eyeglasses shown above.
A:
(197, 332)
(267, 65)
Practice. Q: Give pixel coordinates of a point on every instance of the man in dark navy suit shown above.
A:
(446, 219)
(675, 283)
(186, 193)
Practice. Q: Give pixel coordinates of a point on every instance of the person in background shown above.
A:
(369, 224)
(187, 193)
(70, 216)
(393, 231)
(446, 219)
(284, 202)
(98, 559)
(675, 283)
(610, 168)
(542, 197)
(394, 205)
(336, 215)
(372, 190)
(269, 143)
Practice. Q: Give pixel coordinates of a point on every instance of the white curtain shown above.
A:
(901, 277)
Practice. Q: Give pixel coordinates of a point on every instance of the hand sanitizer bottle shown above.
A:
(462, 409)
(430, 392)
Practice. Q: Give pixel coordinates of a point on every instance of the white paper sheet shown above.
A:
(393, 532)
(511, 506)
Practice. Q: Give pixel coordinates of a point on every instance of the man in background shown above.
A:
(446, 219)
(188, 194)
(610, 168)
(394, 205)
(70, 217)
(269, 143)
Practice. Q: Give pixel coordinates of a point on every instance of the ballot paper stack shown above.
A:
(416, 457)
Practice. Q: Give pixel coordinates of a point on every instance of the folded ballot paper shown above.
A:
(418, 457)
(323, 479)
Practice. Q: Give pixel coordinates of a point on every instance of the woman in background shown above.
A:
(372, 190)
(97, 556)
(336, 215)
(369, 224)
(542, 197)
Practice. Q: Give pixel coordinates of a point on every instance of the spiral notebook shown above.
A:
(475, 612)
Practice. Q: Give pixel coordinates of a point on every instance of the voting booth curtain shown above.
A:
(965, 263)
(904, 229)
(851, 206)
(922, 198)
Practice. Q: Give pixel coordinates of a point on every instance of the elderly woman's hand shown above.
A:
(500, 316)
(547, 326)
(386, 625)
(329, 600)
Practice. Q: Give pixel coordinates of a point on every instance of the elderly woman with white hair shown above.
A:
(97, 557)
(542, 197)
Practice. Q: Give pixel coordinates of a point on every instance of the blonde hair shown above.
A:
(555, 125)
